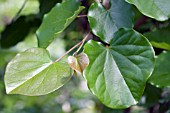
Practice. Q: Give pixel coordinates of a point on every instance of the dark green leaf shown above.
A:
(46, 5)
(160, 38)
(18, 30)
(157, 9)
(104, 23)
(33, 73)
(117, 74)
(57, 20)
(161, 74)
(15, 32)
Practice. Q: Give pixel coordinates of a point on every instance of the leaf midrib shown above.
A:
(32, 76)
(121, 74)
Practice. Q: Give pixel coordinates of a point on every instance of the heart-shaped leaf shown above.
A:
(161, 74)
(117, 74)
(33, 73)
(79, 62)
(73, 63)
(104, 23)
(157, 9)
(57, 20)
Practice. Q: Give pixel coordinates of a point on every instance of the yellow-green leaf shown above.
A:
(32, 73)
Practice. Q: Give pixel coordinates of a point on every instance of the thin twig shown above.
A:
(85, 38)
(78, 44)
(80, 16)
(20, 10)
(140, 22)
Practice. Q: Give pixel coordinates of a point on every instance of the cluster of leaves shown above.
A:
(120, 63)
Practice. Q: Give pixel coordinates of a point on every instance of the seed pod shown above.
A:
(79, 62)
(83, 61)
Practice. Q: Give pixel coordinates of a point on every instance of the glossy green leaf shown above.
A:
(159, 38)
(46, 5)
(33, 73)
(57, 20)
(157, 9)
(104, 23)
(161, 74)
(117, 74)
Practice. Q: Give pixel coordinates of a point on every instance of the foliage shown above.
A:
(54, 22)
(111, 20)
(157, 9)
(122, 68)
(123, 58)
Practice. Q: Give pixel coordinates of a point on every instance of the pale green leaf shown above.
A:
(33, 73)
(157, 9)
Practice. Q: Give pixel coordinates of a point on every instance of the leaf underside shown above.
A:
(33, 73)
(157, 9)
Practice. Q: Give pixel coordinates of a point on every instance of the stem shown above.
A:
(106, 4)
(78, 44)
(85, 38)
(20, 10)
(140, 22)
(80, 16)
